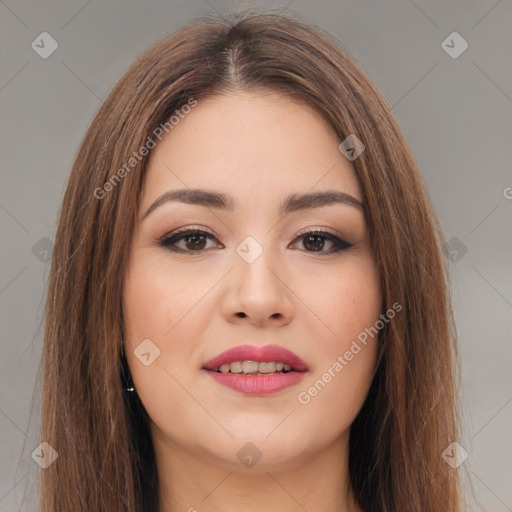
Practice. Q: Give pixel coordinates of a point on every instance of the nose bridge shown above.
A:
(254, 261)
(260, 291)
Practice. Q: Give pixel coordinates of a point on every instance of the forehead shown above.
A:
(253, 146)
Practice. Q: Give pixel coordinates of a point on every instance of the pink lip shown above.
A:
(257, 384)
(264, 354)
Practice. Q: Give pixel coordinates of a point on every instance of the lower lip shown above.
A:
(257, 384)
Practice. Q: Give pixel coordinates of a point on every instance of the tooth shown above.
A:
(269, 367)
(254, 367)
(250, 366)
(236, 367)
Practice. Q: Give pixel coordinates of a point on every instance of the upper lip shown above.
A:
(265, 353)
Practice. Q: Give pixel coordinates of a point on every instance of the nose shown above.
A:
(258, 294)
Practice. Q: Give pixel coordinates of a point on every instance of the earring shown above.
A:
(127, 383)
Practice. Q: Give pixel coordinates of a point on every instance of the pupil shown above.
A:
(194, 242)
(312, 245)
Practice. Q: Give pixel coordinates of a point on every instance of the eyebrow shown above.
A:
(218, 200)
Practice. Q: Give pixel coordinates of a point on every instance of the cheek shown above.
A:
(160, 305)
(150, 309)
(155, 299)
(349, 305)
(348, 300)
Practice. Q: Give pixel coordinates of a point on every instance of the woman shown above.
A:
(248, 304)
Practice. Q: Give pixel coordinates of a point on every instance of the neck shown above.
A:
(192, 482)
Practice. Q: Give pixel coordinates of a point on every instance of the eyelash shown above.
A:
(168, 240)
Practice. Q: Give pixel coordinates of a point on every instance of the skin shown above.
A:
(258, 148)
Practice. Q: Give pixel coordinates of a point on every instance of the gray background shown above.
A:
(457, 114)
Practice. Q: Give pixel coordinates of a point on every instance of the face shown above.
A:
(250, 268)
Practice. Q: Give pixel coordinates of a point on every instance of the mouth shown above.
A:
(257, 370)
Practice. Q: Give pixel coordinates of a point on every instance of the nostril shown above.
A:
(241, 315)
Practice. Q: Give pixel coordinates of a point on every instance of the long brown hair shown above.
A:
(106, 459)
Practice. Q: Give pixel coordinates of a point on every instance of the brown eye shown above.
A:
(193, 241)
(314, 241)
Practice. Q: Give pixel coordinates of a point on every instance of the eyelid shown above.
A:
(173, 232)
(313, 229)
(186, 229)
